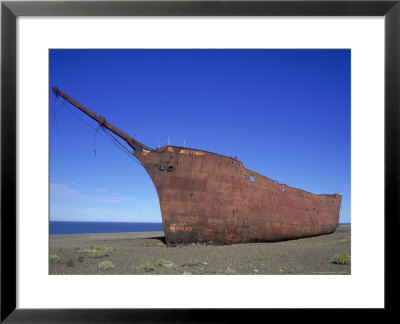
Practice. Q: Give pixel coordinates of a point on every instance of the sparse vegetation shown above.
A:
(230, 271)
(147, 254)
(53, 259)
(102, 252)
(165, 263)
(146, 267)
(85, 250)
(98, 252)
(106, 265)
(341, 259)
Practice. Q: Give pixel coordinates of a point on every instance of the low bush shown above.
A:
(165, 263)
(106, 265)
(53, 259)
(102, 252)
(341, 259)
(230, 271)
(146, 267)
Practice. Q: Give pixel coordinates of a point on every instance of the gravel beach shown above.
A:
(145, 254)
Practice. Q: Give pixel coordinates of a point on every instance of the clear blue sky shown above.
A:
(284, 113)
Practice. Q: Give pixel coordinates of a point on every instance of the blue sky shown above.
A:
(284, 113)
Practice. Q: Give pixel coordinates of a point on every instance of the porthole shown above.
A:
(162, 167)
(170, 168)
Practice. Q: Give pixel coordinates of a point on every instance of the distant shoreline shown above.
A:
(72, 227)
(157, 232)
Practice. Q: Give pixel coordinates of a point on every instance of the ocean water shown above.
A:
(58, 227)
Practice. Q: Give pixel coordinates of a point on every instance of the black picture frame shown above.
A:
(10, 10)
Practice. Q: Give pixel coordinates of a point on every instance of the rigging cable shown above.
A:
(109, 136)
(94, 139)
(122, 147)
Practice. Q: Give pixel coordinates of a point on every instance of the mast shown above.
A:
(102, 121)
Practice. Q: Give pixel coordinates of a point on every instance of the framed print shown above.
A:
(31, 30)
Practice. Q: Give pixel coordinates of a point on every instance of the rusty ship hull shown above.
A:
(208, 197)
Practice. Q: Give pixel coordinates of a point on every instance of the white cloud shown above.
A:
(99, 189)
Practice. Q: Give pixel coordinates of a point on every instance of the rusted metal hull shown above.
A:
(207, 197)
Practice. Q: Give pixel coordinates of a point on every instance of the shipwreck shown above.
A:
(212, 198)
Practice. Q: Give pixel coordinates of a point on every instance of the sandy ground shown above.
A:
(131, 250)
